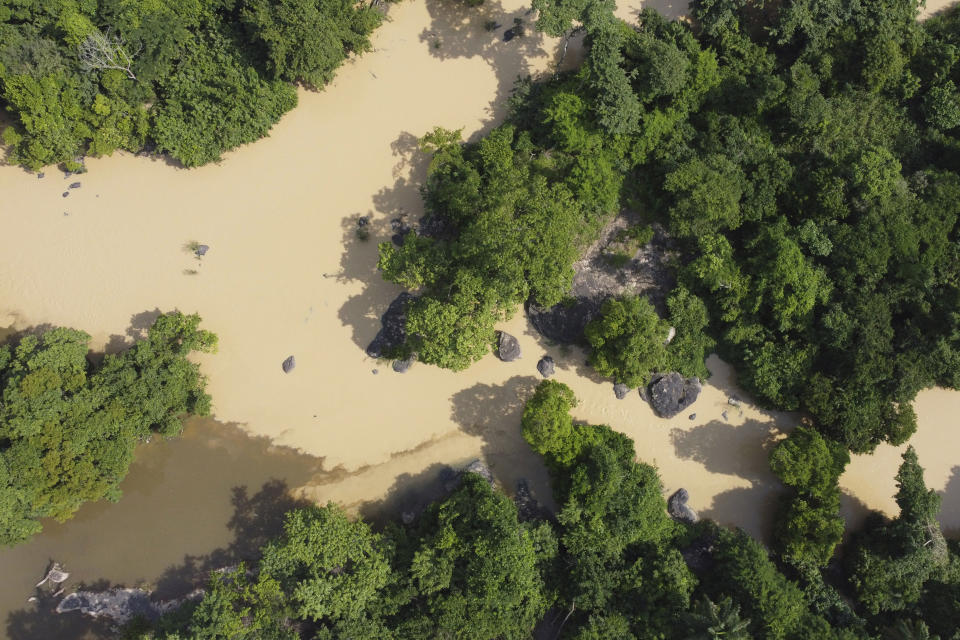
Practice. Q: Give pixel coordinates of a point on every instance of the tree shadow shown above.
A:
(458, 31)
(950, 505)
(492, 413)
(853, 511)
(140, 324)
(409, 494)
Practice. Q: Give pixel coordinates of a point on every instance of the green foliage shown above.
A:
(68, 429)
(205, 77)
(688, 351)
(628, 340)
(709, 621)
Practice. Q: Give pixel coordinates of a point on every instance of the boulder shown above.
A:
(546, 366)
(393, 328)
(671, 393)
(66, 193)
(508, 348)
(289, 364)
(509, 35)
(401, 366)
(55, 574)
(621, 390)
(565, 322)
(678, 509)
(74, 185)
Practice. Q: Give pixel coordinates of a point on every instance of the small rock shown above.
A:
(508, 347)
(66, 193)
(546, 366)
(724, 414)
(621, 390)
(202, 250)
(74, 185)
(678, 509)
(362, 222)
(408, 517)
(40, 175)
(401, 366)
(289, 364)
(508, 35)
(734, 401)
(692, 416)
(376, 371)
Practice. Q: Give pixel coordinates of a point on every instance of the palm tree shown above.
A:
(709, 621)
(908, 630)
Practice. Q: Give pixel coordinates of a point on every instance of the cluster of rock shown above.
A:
(393, 331)
(121, 605)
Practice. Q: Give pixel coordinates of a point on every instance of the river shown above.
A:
(286, 275)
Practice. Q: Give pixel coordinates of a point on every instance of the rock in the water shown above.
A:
(66, 193)
(55, 574)
(120, 605)
(393, 330)
(546, 366)
(202, 250)
(670, 393)
(508, 347)
(724, 414)
(74, 185)
(401, 366)
(621, 390)
(481, 470)
(678, 509)
(734, 401)
(40, 175)
(289, 364)
(692, 416)
(509, 35)
(375, 371)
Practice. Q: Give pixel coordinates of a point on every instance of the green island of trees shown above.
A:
(68, 428)
(189, 78)
(609, 565)
(803, 155)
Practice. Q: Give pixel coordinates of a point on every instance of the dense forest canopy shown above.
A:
(68, 428)
(803, 155)
(610, 565)
(190, 78)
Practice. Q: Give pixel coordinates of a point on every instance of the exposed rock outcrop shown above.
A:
(508, 347)
(671, 393)
(393, 329)
(679, 510)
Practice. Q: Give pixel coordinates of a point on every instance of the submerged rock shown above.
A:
(621, 390)
(678, 509)
(289, 364)
(508, 347)
(546, 366)
(528, 507)
(393, 329)
(670, 393)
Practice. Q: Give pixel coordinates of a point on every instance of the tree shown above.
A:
(102, 51)
(709, 621)
(628, 340)
(69, 430)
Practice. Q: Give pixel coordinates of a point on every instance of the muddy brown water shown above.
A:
(286, 275)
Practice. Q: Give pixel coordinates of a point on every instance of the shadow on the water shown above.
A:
(409, 494)
(492, 412)
(42, 622)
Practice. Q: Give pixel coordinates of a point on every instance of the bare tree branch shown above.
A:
(103, 51)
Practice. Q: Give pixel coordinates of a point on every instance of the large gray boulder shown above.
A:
(546, 366)
(120, 605)
(678, 509)
(508, 347)
(393, 330)
(401, 366)
(671, 393)
(620, 390)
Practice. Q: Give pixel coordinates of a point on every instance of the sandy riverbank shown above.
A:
(285, 275)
